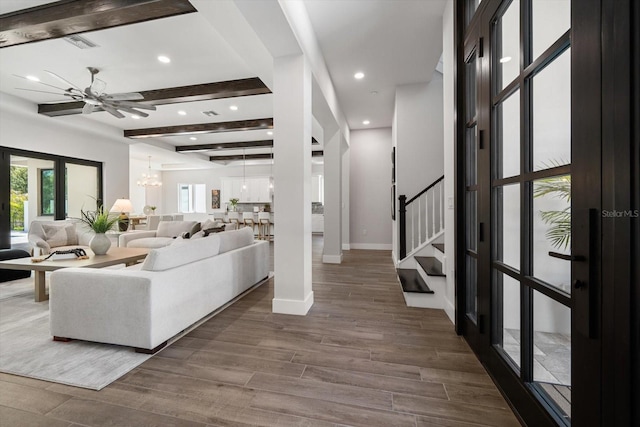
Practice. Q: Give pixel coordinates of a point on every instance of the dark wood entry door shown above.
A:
(532, 183)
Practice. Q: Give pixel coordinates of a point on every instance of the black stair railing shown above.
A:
(421, 217)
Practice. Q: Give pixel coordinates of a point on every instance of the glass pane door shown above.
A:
(81, 183)
(32, 187)
(531, 199)
(471, 188)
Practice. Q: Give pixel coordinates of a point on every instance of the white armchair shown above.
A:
(46, 236)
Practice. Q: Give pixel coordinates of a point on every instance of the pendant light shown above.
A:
(244, 171)
(271, 177)
(149, 179)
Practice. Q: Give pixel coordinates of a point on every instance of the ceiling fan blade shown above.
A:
(45, 84)
(87, 109)
(132, 111)
(130, 96)
(41, 91)
(97, 87)
(63, 80)
(131, 104)
(113, 111)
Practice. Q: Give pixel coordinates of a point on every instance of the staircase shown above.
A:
(421, 268)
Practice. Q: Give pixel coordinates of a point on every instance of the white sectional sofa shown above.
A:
(164, 235)
(143, 306)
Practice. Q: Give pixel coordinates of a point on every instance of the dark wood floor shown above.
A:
(360, 357)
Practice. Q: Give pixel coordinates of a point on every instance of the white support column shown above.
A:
(346, 167)
(332, 252)
(292, 185)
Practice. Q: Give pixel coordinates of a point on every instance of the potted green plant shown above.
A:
(99, 222)
(559, 232)
(234, 204)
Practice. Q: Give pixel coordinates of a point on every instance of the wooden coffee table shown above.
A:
(115, 256)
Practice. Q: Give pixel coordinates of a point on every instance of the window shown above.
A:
(192, 198)
(47, 192)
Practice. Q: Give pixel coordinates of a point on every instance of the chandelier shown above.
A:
(149, 179)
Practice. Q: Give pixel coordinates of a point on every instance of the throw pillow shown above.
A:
(60, 235)
(210, 223)
(196, 227)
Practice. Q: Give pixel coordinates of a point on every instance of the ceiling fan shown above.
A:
(94, 96)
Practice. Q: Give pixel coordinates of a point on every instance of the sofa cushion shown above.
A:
(60, 235)
(230, 240)
(150, 242)
(184, 252)
(174, 228)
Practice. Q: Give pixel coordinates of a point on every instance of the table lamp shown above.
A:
(123, 206)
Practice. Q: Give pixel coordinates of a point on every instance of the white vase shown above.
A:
(100, 244)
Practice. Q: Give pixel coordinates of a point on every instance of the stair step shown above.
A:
(439, 246)
(430, 265)
(412, 282)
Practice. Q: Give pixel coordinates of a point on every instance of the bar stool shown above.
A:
(220, 216)
(248, 221)
(264, 226)
(234, 218)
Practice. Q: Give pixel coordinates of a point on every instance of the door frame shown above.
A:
(59, 167)
(605, 113)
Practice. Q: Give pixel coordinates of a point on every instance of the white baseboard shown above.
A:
(373, 246)
(289, 306)
(332, 259)
(450, 310)
(346, 247)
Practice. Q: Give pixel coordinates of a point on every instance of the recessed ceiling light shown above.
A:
(193, 138)
(365, 122)
(269, 133)
(33, 78)
(182, 113)
(505, 59)
(164, 59)
(135, 116)
(233, 108)
(359, 75)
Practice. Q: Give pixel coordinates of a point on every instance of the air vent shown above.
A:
(210, 113)
(80, 42)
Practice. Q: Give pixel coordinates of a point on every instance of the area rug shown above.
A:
(26, 347)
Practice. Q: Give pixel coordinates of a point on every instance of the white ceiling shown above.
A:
(393, 42)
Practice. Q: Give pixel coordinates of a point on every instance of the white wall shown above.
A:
(370, 204)
(448, 83)
(22, 127)
(419, 135)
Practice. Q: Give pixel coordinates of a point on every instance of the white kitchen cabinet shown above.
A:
(257, 190)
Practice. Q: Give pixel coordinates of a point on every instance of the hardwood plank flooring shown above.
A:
(359, 358)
